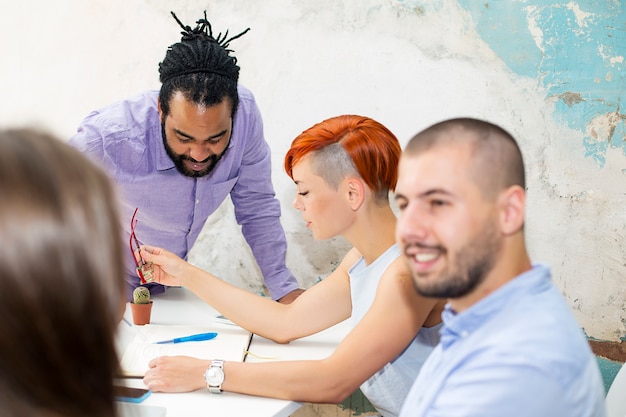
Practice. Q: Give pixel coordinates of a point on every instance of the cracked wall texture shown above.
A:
(550, 72)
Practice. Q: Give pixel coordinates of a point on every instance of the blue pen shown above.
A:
(193, 338)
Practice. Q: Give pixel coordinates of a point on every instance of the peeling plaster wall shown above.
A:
(552, 73)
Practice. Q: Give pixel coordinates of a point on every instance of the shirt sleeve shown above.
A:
(88, 139)
(256, 208)
(105, 141)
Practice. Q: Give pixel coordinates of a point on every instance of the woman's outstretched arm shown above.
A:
(321, 306)
(393, 320)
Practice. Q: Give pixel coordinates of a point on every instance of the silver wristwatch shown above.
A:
(214, 376)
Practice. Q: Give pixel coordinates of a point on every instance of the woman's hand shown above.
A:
(176, 374)
(168, 268)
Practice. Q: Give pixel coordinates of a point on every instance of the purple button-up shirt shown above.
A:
(126, 139)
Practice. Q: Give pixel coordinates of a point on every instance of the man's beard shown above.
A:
(178, 159)
(473, 262)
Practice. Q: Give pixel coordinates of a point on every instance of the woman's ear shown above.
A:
(356, 192)
(512, 206)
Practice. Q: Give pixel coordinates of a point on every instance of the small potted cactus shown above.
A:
(141, 306)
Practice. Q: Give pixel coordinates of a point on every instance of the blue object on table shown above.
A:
(193, 338)
(130, 394)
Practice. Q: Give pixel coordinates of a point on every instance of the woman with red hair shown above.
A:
(344, 169)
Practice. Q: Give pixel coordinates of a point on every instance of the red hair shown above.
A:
(374, 150)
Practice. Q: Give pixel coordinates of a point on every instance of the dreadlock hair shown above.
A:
(200, 67)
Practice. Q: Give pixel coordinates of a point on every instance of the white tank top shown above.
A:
(388, 388)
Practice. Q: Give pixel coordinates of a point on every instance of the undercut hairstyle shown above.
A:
(200, 67)
(61, 280)
(497, 159)
(349, 145)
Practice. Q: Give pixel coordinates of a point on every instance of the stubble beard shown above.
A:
(473, 263)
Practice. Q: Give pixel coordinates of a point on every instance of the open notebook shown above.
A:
(231, 344)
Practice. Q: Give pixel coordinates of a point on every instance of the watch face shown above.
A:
(214, 375)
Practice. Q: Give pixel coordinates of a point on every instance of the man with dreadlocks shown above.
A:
(177, 153)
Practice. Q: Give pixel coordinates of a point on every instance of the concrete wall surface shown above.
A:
(550, 72)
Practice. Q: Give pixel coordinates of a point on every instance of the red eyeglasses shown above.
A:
(144, 269)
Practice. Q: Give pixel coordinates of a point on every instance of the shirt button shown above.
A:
(197, 201)
(464, 333)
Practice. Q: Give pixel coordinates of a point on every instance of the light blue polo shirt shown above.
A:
(518, 352)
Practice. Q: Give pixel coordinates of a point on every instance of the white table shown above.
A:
(181, 306)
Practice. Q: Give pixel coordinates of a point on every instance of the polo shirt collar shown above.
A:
(461, 325)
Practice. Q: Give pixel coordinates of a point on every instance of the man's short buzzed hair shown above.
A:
(497, 158)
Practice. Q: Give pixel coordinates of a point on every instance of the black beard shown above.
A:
(178, 160)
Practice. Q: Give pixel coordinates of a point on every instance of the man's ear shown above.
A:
(159, 108)
(512, 207)
(356, 192)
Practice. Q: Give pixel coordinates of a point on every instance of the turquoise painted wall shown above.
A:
(576, 51)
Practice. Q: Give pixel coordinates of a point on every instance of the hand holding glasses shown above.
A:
(145, 270)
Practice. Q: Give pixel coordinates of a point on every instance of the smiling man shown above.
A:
(177, 153)
(510, 345)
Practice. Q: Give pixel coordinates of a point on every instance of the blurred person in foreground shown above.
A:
(61, 280)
